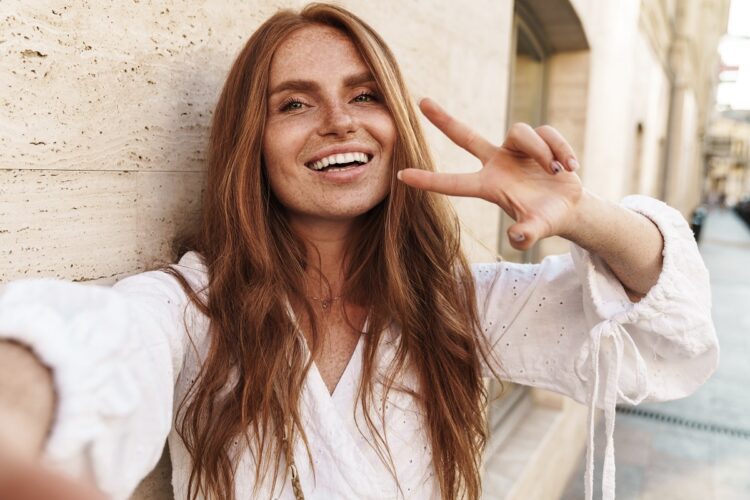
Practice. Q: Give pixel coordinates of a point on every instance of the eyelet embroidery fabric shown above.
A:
(121, 359)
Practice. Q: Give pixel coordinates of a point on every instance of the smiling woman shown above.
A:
(323, 335)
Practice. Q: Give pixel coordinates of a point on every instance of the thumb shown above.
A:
(524, 234)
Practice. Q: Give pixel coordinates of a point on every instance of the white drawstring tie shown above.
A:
(608, 329)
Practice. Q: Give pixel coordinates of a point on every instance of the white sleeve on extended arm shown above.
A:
(567, 325)
(115, 354)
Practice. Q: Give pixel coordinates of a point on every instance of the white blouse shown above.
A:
(122, 361)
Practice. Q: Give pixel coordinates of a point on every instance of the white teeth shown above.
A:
(337, 159)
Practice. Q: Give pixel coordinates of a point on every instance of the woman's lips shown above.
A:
(344, 175)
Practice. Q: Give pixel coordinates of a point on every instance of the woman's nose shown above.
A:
(337, 120)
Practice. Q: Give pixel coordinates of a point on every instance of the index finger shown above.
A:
(450, 184)
(456, 131)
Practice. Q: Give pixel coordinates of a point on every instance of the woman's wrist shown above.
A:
(587, 226)
(630, 243)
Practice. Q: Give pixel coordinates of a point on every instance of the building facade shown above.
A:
(105, 112)
(727, 159)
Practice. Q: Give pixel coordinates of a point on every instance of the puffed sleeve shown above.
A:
(567, 325)
(115, 353)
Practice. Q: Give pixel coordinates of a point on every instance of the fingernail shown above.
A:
(573, 164)
(556, 166)
(517, 236)
(398, 175)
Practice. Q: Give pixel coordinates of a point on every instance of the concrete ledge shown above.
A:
(546, 430)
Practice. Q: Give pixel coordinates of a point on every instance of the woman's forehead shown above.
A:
(313, 52)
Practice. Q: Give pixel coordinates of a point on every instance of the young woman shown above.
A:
(323, 336)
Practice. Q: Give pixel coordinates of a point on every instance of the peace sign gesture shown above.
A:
(530, 176)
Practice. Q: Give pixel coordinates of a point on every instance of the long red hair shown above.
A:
(407, 249)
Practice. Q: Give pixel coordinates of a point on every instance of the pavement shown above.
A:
(697, 448)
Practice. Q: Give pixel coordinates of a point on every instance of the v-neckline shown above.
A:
(346, 375)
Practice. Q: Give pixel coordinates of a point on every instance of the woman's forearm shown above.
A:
(27, 401)
(627, 241)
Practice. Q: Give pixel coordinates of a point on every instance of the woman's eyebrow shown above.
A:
(302, 85)
(359, 79)
(294, 85)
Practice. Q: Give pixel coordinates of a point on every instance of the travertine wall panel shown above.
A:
(167, 204)
(114, 85)
(91, 225)
(75, 225)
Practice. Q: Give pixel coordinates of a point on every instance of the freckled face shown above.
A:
(324, 107)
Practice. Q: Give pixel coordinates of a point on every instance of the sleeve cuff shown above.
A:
(75, 328)
(683, 285)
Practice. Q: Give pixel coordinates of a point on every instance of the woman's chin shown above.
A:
(342, 213)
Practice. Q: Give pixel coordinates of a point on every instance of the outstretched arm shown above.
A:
(27, 401)
(115, 354)
(532, 178)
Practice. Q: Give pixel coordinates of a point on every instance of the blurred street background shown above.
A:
(686, 140)
(698, 448)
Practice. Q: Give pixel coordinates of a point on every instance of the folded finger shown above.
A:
(450, 184)
(456, 131)
(524, 139)
(559, 146)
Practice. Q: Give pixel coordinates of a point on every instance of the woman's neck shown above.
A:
(326, 242)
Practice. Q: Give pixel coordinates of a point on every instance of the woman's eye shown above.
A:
(365, 97)
(292, 105)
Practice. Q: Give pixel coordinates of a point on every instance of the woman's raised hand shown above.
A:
(531, 176)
